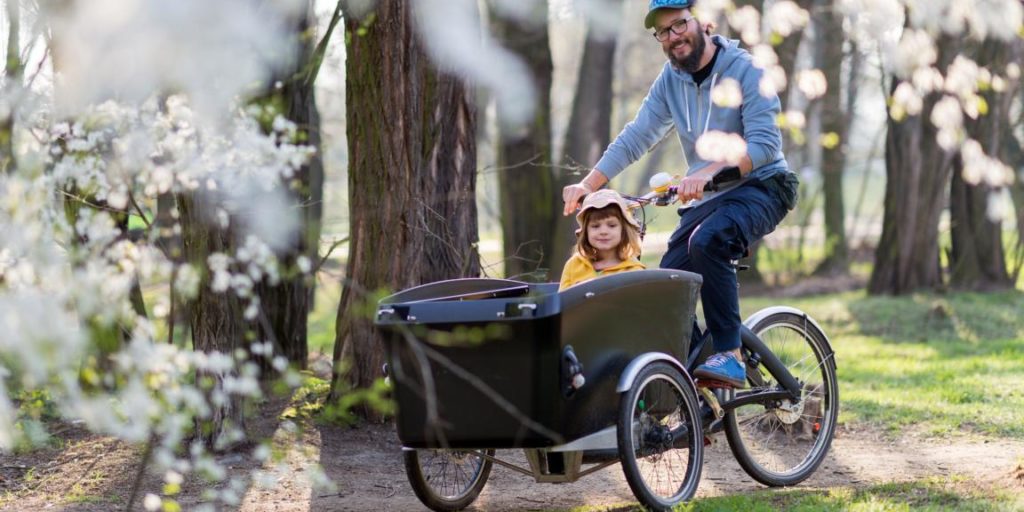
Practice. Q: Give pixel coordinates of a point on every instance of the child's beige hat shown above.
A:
(601, 199)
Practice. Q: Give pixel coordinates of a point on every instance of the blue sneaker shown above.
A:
(723, 367)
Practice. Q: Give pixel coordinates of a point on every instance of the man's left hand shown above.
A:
(692, 186)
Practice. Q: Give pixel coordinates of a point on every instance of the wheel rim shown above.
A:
(787, 437)
(661, 435)
(451, 474)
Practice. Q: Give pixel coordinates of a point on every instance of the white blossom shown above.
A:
(773, 81)
(905, 101)
(716, 146)
(916, 50)
(946, 113)
(785, 17)
(928, 79)
(304, 265)
(152, 502)
(980, 168)
(812, 83)
(747, 22)
(764, 56)
(726, 94)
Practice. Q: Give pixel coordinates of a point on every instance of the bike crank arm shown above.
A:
(756, 397)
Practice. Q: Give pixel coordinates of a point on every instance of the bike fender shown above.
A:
(628, 376)
(752, 320)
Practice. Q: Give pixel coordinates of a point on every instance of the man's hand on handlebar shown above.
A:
(573, 194)
(692, 186)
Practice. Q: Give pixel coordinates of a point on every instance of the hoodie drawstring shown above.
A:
(711, 104)
(686, 105)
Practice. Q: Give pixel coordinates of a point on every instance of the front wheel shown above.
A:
(781, 443)
(447, 480)
(659, 436)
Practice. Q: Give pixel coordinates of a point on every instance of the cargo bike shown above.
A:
(595, 375)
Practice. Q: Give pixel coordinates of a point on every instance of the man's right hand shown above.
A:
(573, 195)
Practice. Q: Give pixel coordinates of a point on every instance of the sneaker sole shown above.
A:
(702, 374)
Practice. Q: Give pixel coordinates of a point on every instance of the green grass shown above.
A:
(930, 494)
(324, 314)
(934, 364)
(925, 495)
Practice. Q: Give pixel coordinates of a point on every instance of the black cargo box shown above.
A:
(494, 352)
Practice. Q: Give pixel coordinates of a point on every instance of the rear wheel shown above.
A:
(659, 436)
(447, 480)
(781, 443)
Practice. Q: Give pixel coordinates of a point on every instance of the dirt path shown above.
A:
(856, 459)
(366, 464)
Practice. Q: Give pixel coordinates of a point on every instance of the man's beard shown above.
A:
(690, 63)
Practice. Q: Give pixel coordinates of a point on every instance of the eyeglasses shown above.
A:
(677, 27)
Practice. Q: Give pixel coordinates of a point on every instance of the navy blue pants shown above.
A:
(712, 234)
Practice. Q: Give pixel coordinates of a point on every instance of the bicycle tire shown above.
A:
(659, 431)
(433, 487)
(759, 433)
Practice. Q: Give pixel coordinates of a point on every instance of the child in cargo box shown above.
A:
(607, 241)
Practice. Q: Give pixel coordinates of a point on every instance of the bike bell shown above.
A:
(660, 182)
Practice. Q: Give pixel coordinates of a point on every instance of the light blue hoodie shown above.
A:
(676, 101)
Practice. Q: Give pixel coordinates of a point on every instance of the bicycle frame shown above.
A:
(700, 348)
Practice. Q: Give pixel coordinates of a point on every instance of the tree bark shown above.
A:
(589, 128)
(528, 200)
(829, 57)
(215, 318)
(918, 173)
(412, 175)
(977, 258)
(286, 306)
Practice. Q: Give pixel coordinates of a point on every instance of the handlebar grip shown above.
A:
(723, 176)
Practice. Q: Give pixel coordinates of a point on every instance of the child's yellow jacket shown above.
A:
(579, 269)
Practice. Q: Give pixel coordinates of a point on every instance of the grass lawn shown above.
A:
(933, 364)
(956, 494)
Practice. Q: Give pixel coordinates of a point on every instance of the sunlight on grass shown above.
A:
(929, 494)
(933, 364)
(325, 312)
(292, 454)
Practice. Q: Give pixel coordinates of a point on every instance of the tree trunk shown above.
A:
(977, 258)
(412, 175)
(215, 318)
(13, 71)
(286, 306)
(528, 195)
(917, 174)
(829, 57)
(589, 128)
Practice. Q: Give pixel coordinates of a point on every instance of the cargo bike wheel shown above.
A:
(781, 443)
(447, 480)
(661, 446)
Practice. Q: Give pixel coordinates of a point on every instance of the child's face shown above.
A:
(604, 234)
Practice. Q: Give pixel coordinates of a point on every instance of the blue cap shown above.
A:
(664, 4)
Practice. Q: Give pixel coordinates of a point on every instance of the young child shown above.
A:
(607, 241)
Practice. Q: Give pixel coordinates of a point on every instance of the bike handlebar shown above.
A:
(722, 177)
